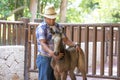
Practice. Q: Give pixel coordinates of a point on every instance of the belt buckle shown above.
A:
(39, 53)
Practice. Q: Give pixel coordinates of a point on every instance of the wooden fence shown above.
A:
(106, 36)
(12, 33)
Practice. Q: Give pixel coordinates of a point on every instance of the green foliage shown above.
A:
(77, 10)
(88, 5)
(101, 10)
(73, 17)
(26, 12)
(4, 9)
(43, 3)
(109, 9)
(7, 7)
(116, 15)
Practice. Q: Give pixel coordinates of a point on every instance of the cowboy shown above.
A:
(45, 44)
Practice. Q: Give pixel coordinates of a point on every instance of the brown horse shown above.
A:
(72, 58)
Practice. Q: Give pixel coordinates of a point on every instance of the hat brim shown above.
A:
(49, 16)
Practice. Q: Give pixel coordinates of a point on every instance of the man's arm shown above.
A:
(68, 42)
(48, 50)
(45, 47)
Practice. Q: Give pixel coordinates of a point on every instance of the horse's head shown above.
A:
(57, 40)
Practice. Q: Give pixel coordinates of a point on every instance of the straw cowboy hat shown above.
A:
(50, 12)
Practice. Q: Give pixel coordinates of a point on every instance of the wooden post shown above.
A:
(118, 55)
(94, 50)
(111, 52)
(102, 51)
(0, 35)
(26, 73)
(86, 47)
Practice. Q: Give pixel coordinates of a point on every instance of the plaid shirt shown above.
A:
(42, 32)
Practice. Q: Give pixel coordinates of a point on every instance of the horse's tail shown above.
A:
(81, 63)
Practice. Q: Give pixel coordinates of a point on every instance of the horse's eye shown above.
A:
(56, 31)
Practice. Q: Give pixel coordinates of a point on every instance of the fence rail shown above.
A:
(100, 42)
(12, 33)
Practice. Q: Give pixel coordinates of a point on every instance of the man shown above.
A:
(45, 44)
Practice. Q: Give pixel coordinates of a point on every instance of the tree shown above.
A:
(10, 7)
(33, 9)
(75, 11)
(63, 7)
(101, 10)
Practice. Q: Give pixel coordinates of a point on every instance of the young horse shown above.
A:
(72, 58)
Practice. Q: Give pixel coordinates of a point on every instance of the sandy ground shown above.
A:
(80, 78)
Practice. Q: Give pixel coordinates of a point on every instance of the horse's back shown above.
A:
(73, 57)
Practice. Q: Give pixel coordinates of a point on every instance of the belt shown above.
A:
(42, 54)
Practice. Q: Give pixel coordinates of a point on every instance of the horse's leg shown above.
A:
(57, 75)
(72, 75)
(83, 71)
(83, 74)
(81, 64)
(63, 75)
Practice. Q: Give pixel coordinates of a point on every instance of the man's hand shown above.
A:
(59, 56)
(77, 47)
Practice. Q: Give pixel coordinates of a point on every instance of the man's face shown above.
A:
(50, 22)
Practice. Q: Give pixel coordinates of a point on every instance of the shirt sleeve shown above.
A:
(40, 33)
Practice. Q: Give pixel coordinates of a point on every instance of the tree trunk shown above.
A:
(63, 8)
(33, 9)
(18, 10)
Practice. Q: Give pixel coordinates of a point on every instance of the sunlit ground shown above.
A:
(80, 78)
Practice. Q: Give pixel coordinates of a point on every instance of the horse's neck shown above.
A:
(62, 49)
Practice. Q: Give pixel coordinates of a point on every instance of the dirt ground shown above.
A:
(80, 78)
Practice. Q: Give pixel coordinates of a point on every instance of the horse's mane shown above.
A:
(62, 47)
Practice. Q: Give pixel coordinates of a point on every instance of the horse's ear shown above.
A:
(51, 31)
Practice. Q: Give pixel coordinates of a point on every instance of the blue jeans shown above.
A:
(44, 69)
